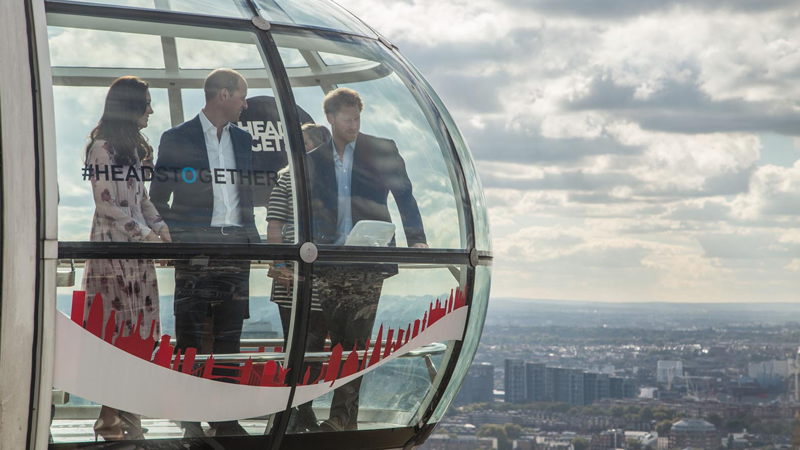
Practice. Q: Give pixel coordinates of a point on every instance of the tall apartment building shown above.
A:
(596, 386)
(515, 381)
(620, 387)
(535, 382)
(567, 385)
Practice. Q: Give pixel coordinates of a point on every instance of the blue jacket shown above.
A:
(378, 169)
(183, 147)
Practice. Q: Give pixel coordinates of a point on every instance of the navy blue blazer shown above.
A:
(378, 169)
(183, 147)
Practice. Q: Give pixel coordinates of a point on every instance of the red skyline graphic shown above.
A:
(270, 374)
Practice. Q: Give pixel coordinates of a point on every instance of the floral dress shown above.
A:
(123, 213)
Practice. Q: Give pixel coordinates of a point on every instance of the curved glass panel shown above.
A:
(394, 166)
(480, 303)
(480, 212)
(313, 13)
(121, 323)
(400, 319)
(221, 8)
(194, 182)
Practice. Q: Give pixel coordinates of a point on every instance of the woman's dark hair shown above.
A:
(319, 134)
(126, 102)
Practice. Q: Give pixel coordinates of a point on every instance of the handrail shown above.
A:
(262, 357)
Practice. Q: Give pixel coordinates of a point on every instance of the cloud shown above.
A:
(682, 107)
(621, 9)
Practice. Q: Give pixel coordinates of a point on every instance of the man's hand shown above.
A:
(164, 234)
(152, 237)
(420, 245)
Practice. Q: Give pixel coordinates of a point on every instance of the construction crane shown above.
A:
(671, 378)
(796, 370)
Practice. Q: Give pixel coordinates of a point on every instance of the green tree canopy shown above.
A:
(663, 428)
(512, 431)
(580, 444)
(632, 410)
(715, 419)
(495, 431)
(634, 444)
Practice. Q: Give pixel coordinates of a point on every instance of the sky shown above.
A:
(630, 150)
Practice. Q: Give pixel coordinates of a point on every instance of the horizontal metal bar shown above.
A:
(326, 254)
(185, 18)
(122, 250)
(262, 357)
(149, 15)
(392, 254)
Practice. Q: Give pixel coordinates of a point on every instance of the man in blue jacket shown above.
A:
(201, 165)
(351, 177)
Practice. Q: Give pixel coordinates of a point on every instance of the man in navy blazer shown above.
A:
(200, 165)
(377, 170)
(351, 177)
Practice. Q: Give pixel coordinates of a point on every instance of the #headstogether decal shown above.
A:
(127, 373)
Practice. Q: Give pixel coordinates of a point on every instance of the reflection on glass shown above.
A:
(480, 212)
(292, 58)
(333, 59)
(382, 320)
(390, 143)
(315, 13)
(203, 54)
(189, 310)
(68, 49)
(480, 303)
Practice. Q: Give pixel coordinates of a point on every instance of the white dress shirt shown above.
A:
(344, 176)
(226, 210)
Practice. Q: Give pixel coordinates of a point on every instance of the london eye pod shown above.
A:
(314, 335)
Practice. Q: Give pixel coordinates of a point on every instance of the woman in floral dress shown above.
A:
(123, 213)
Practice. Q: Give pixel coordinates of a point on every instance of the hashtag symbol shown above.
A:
(88, 171)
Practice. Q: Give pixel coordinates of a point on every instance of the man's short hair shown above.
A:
(221, 79)
(340, 97)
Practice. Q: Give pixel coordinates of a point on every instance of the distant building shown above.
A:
(770, 374)
(608, 440)
(620, 387)
(535, 382)
(445, 442)
(668, 369)
(478, 387)
(596, 386)
(550, 441)
(566, 384)
(694, 433)
(643, 437)
(515, 381)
